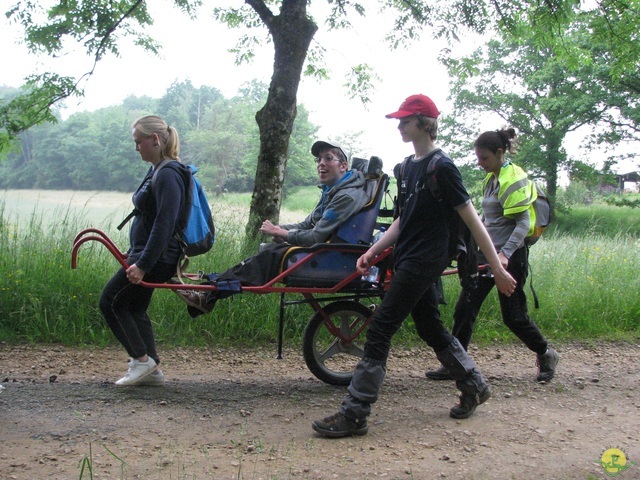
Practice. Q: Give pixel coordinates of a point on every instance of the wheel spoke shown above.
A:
(330, 351)
(345, 326)
(355, 350)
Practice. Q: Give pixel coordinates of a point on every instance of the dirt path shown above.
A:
(225, 414)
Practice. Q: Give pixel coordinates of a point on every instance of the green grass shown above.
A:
(598, 219)
(586, 288)
(587, 283)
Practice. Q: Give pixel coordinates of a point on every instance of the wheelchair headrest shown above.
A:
(375, 166)
(359, 164)
(371, 167)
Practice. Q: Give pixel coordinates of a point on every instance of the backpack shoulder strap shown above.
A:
(163, 163)
(135, 211)
(401, 186)
(431, 178)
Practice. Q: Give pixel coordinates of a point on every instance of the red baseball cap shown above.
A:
(416, 105)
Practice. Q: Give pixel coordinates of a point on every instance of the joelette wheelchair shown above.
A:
(324, 275)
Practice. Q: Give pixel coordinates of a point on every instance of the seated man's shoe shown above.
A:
(440, 374)
(338, 426)
(198, 302)
(469, 402)
(547, 364)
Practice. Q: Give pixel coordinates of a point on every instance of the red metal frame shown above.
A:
(94, 234)
(273, 286)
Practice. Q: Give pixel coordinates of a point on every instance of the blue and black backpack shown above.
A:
(199, 233)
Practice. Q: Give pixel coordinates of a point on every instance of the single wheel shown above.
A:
(334, 339)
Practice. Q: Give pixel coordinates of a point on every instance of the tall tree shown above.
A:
(532, 88)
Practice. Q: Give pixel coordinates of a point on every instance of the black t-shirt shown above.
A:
(423, 240)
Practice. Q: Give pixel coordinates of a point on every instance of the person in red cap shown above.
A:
(343, 194)
(420, 235)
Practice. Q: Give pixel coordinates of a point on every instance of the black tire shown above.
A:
(330, 358)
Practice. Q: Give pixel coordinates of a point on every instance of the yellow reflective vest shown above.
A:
(516, 194)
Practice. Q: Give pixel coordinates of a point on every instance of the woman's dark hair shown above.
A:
(495, 139)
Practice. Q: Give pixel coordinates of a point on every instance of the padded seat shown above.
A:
(334, 261)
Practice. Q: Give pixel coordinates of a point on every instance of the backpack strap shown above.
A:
(135, 211)
(398, 172)
(430, 176)
(536, 302)
(128, 218)
(157, 169)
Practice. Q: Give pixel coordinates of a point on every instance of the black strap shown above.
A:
(133, 213)
(154, 173)
(533, 292)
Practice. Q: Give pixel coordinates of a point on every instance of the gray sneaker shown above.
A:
(137, 371)
(155, 379)
(547, 364)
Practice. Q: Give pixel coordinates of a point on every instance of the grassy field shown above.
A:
(587, 280)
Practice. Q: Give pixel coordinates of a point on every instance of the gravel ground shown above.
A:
(238, 414)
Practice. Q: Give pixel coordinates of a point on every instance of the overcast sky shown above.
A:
(197, 50)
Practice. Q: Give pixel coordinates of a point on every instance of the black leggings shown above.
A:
(124, 307)
(514, 308)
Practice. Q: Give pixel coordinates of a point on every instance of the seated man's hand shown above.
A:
(278, 234)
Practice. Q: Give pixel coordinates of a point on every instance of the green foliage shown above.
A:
(599, 220)
(532, 88)
(302, 199)
(19, 110)
(96, 25)
(94, 150)
(362, 80)
(42, 298)
(632, 201)
(583, 281)
(576, 193)
(99, 26)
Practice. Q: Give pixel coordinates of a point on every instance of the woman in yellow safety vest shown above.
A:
(508, 216)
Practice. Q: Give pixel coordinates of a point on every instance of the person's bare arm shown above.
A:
(388, 239)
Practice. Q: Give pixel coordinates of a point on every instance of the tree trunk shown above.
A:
(555, 158)
(292, 33)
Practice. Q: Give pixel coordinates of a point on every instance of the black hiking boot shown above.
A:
(440, 374)
(338, 426)
(547, 364)
(469, 402)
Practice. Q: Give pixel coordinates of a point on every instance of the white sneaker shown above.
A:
(155, 379)
(137, 371)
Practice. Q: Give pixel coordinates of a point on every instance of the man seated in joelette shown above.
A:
(343, 194)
